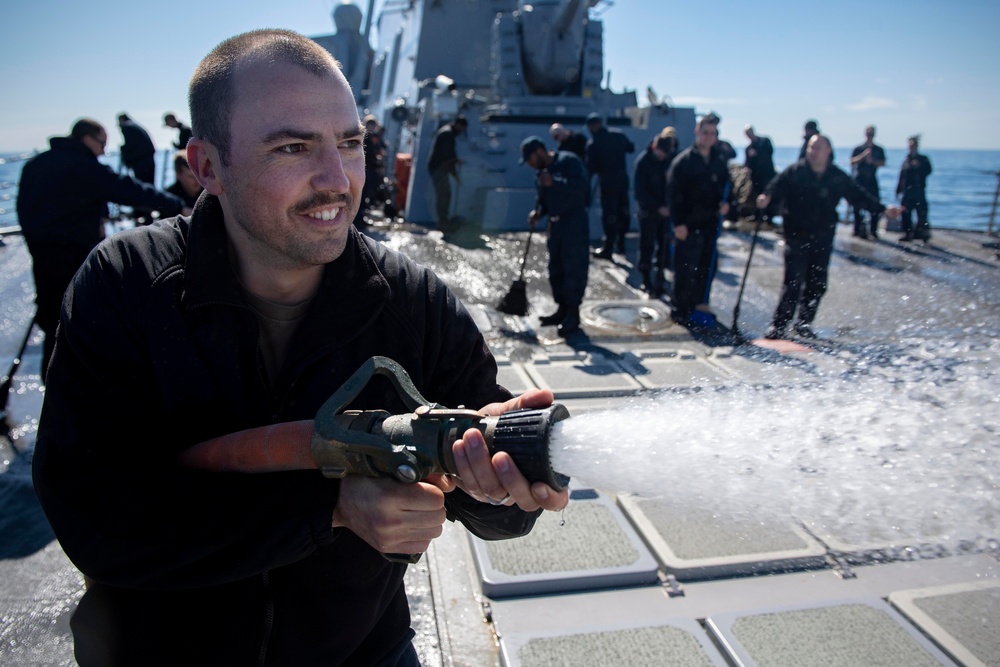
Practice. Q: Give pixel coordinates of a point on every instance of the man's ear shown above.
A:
(203, 158)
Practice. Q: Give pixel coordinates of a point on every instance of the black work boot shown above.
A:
(647, 283)
(554, 318)
(603, 253)
(659, 283)
(570, 323)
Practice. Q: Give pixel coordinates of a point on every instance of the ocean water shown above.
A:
(960, 191)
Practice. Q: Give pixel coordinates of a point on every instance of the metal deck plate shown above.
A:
(845, 634)
(763, 367)
(697, 545)
(862, 544)
(675, 642)
(673, 369)
(581, 377)
(963, 619)
(513, 377)
(595, 548)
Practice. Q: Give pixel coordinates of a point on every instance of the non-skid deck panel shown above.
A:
(699, 545)
(513, 377)
(848, 633)
(591, 375)
(675, 369)
(764, 367)
(963, 619)
(675, 642)
(590, 545)
(881, 540)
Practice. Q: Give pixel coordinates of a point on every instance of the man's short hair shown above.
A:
(811, 126)
(461, 120)
(529, 146)
(669, 132)
(86, 127)
(821, 137)
(211, 94)
(708, 119)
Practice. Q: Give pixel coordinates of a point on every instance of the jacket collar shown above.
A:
(72, 145)
(352, 292)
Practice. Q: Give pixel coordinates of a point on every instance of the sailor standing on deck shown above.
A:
(137, 150)
(568, 140)
(62, 201)
(912, 187)
(237, 324)
(759, 162)
(443, 166)
(696, 186)
(865, 162)
(183, 131)
(651, 208)
(606, 159)
(562, 196)
(811, 189)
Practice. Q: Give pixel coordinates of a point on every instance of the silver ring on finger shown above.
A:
(498, 502)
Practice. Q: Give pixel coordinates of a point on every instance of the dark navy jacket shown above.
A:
(695, 188)
(913, 176)
(566, 199)
(606, 153)
(158, 351)
(650, 181)
(137, 145)
(64, 193)
(811, 200)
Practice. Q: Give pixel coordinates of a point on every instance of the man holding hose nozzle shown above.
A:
(811, 189)
(242, 321)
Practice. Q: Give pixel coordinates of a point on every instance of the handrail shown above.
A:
(993, 211)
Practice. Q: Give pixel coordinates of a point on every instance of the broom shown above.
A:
(515, 301)
(8, 380)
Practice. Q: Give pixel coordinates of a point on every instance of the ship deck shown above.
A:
(618, 578)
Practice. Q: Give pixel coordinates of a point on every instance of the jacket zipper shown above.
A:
(268, 618)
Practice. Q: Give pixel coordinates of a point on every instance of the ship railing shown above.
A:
(993, 210)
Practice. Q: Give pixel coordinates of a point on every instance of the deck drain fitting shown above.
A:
(627, 317)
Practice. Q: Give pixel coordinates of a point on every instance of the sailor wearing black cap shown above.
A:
(562, 196)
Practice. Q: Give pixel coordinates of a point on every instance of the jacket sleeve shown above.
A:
(777, 187)
(123, 189)
(675, 191)
(568, 191)
(105, 470)
(462, 371)
(859, 197)
(644, 195)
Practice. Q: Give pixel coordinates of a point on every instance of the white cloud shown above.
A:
(871, 102)
(920, 102)
(707, 101)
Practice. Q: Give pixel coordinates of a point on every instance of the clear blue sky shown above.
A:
(907, 67)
